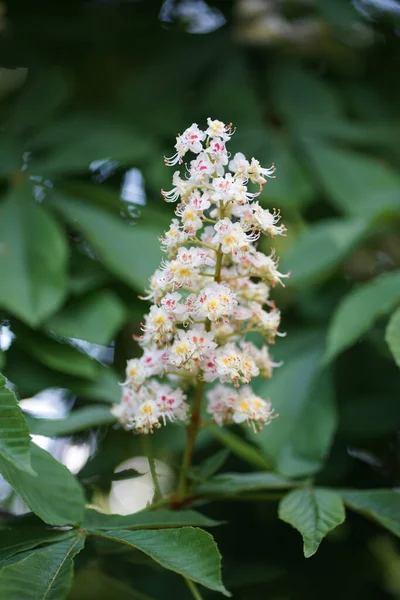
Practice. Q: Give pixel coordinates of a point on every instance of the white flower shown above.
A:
(190, 347)
(235, 365)
(253, 216)
(240, 165)
(257, 174)
(181, 189)
(216, 301)
(218, 154)
(174, 236)
(147, 417)
(190, 219)
(190, 140)
(221, 403)
(218, 129)
(199, 202)
(252, 409)
(171, 403)
(135, 372)
(231, 237)
(158, 324)
(266, 267)
(200, 168)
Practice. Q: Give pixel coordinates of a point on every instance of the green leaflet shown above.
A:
(188, 551)
(14, 434)
(53, 494)
(313, 512)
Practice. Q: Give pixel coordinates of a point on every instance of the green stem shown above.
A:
(152, 465)
(192, 431)
(195, 592)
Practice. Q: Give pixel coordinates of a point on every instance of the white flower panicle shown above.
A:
(211, 290)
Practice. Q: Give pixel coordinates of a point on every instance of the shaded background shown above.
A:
(92, 96)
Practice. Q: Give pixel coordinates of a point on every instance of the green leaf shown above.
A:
(94, 140)
(213, 464)
(316, 100)
(393, 335)
(319, 249)
(104, 388)
(43, 575)
(54, 495)
(91, 583)
(40, 98)
(292, 187)
(35, 276)
(31, 377)
(240, 447)
(78, 420)
(303, 397)
(358, 311)
(147, 519)
(58, 355)
(189, 552)
(313, 512)
(364, 186)
(22, 538)
(14, 434)
(131, 253)
(382, 506)
(95, 319)
(231, 484)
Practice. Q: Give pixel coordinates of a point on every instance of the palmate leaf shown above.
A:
(358, 311)
(313, 512)
(35, 275)
(14, 434)
(53, 494)
(188, 551)
(45, 574)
